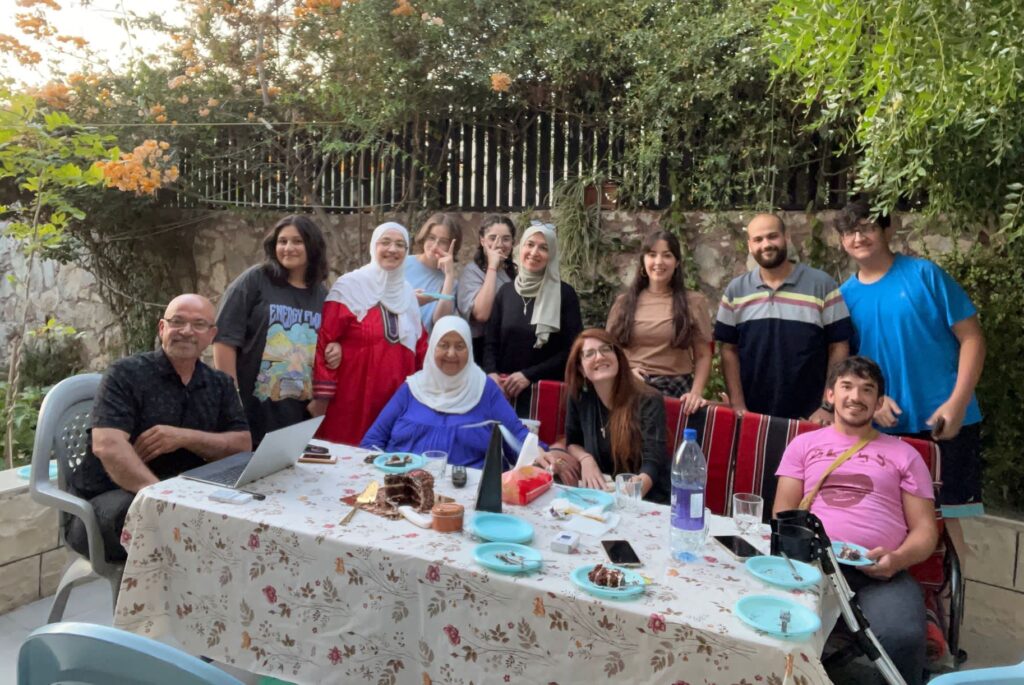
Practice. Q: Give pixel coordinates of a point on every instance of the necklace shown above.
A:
(526, 303)
(600, 417)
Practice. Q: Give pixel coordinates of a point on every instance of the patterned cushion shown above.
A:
(716, 433)
(547, 405)
(762, 440)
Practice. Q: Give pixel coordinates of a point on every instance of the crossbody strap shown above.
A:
(805, 503)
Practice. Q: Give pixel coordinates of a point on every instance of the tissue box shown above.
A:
(524, 484)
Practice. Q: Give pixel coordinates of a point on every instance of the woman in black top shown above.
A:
(533, 322)
(267, 326)
(614, 423)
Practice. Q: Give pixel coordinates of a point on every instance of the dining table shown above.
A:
(281, 587)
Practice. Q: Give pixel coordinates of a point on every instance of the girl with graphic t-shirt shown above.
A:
(268, 323)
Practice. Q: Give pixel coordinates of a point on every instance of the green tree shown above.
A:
(47, 156)
(927, 92)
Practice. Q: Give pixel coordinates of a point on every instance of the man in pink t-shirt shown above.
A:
(880, 498)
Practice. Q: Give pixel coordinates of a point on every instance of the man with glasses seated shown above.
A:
(157, 414)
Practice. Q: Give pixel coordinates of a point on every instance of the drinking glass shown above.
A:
(627, 491)
(746, 511)
(437, 461)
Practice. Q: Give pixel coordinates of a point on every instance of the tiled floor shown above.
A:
(89, 603)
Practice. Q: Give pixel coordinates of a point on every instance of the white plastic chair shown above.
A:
(62, 433)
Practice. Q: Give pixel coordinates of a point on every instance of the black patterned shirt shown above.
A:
(143, 391)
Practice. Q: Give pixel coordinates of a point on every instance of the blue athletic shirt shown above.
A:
(904, 321)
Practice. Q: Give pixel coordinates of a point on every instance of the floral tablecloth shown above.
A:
(279, 587)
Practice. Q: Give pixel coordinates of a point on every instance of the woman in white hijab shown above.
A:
(533, 322)
(448, 406)
(373, 314)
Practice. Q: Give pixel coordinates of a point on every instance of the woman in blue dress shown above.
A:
(450, 405)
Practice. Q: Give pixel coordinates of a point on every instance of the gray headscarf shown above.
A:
(545, 286)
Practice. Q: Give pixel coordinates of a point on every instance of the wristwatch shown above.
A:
(828, 406)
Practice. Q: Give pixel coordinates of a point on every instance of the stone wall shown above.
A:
(31, 558)
(223, 244)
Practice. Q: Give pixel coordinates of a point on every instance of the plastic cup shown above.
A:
(627, 491)
(437, 462)
(747, 510)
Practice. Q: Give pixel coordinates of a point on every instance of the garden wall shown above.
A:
(226, 243)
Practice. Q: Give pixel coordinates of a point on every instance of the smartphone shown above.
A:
(317, 458)
(621, 553)
(737, 546)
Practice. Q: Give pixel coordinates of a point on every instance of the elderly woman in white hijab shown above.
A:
(533, 322)
(373, 314)
(448, 406)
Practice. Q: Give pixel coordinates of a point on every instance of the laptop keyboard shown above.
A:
(228, 476)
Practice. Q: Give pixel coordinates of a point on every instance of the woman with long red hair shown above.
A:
(614, 423)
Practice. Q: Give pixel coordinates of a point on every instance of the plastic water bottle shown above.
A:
(689, 478)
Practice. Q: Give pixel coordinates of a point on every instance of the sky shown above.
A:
(93, 20)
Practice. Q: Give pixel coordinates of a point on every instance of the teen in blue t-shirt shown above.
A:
(921, 327)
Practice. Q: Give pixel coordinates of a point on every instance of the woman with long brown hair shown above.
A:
(664, 329)
(614, 423)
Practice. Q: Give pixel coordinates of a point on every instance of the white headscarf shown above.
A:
(545, 286)
(456, 394)
(370, 285)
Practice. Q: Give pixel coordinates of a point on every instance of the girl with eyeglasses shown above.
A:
(268, 323)
(372, 313)
(492, 267)
(533, 321)
(664, 329)
(433, 269)
(613, 423)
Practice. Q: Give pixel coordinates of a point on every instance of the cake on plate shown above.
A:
(606, 577)
(414, 488)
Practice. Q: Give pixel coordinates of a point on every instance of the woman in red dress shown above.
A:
(373, 314)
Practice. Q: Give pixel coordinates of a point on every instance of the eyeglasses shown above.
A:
(604, 350)
(388, 244)
(504, 239)
(445, 243)
(180, 324)
(862, 227)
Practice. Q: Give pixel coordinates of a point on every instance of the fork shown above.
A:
(784, 619)
(792, 569)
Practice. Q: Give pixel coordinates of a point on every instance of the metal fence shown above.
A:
(445, 164)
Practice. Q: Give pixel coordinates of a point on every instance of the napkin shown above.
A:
(529, 452)
(593, 521)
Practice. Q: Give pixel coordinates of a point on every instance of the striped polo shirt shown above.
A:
(782, 337)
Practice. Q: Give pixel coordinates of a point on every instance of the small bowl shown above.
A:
(447, 517)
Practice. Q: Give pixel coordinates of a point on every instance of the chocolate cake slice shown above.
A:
(415, 488)
(606, 577)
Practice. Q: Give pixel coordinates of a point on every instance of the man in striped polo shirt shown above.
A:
(780, 327)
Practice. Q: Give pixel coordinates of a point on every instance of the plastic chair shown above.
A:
(91, 654)
(63, 433)
(1001, 675)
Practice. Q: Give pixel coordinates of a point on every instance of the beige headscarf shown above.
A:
(545, 286)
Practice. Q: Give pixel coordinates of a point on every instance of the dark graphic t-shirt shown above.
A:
(274, 329)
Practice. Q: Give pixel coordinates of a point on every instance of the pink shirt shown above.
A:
(861, 501)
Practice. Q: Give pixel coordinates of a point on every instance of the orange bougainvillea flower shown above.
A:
(212, 102)
(500, 82)
(160, 118)
(204, 112)
(54, 94)
(142, 171)
(403, 8)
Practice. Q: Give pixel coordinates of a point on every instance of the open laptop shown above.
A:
(279, 450)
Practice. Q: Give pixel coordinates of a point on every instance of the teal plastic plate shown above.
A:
(634, 587)
(25, 472)
(837, 548)
(418, 460)
(764, 612)
(487, 556)
(585, 497)
(776, 571)
(501, 528)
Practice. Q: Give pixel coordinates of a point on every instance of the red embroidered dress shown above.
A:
(374, 364)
